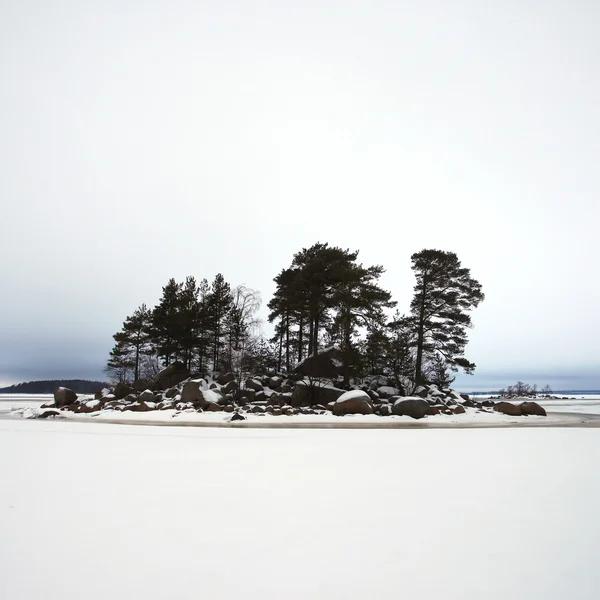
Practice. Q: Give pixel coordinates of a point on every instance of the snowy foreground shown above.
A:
(95, 511)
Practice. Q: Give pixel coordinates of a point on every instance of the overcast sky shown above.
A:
(146, 140)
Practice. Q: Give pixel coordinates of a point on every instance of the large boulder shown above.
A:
(212, 400)
(411, 407)
(64, 396)
(121, 390)
(275, 382)
(172, 375)
(306, 394)
(532, 408)
(387, 391)
(147, 396)
(230, 387)
(224, 378)
(328, 364)
(254, 384)
(192, 390)
(355, 402)
(507, 408)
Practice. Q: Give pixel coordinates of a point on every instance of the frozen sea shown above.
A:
(95, 511)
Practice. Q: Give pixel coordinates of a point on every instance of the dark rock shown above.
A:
(141, 384)
(49, 413)
(146, 396)
(192, 390)
(506, 408)
(121, 390)
(306, 394)
(172, 375)
(328, 363)
(385, 410)
(387, 391)
(237, 417)
(230, 387)
(224, 378)
(353, 403)
(411, 407)
(422, 392)
(64, 396)
(254, 384)
(171, 392)
(532, 408)
(436, 409)
(286, 388)
(458, 410)
(465, 396)
(275, 382)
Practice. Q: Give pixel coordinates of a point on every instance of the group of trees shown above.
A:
(324, 297)
(202, 325)
(520, 390)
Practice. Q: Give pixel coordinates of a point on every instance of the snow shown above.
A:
(104, 511)
(351, 395)
(212, 396)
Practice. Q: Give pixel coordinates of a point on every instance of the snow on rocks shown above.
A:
(280, 395)
(411, 407)
(355, 402)
(64, 396)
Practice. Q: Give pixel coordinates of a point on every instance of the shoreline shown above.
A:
(553, 420)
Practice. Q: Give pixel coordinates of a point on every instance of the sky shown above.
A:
(141, 141)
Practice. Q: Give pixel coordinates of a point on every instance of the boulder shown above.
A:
(172, 375)
(309, 395)
(275, 382)
(386, 391)
(422, 392)
(230, 387)
(436, 409)
(224, 378)
(254, 384)
(146, 396)
(355, 402)
(171, 392)
(237, 417)
(192, 390)
(458, 409)
(121, 390)
(506, 408)
(64, 396)
(465, 396)
(411, 407)
(385, 410)
(49, 413)
(141, 384)
(328, 364)
(212, 400)
(532, 408)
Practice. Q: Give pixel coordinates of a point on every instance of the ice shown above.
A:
(98, 511)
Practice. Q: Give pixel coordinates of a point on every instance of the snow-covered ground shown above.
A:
(100, 511)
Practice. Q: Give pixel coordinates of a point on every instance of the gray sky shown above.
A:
(147, 140)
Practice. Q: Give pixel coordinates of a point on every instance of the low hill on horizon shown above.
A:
(49, 386)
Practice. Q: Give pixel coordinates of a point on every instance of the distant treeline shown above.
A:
(79, 386)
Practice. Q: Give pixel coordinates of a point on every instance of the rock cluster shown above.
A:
(278, 394)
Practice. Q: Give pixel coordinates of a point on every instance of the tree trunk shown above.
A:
(310, 335)
(287, 341)
(280, 346)
(421, 336)
(300, 337)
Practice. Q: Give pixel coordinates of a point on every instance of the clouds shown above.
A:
(161, 139)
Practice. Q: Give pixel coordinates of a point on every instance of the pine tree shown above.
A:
(219, 305)
(165, 323)
(444, 294)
